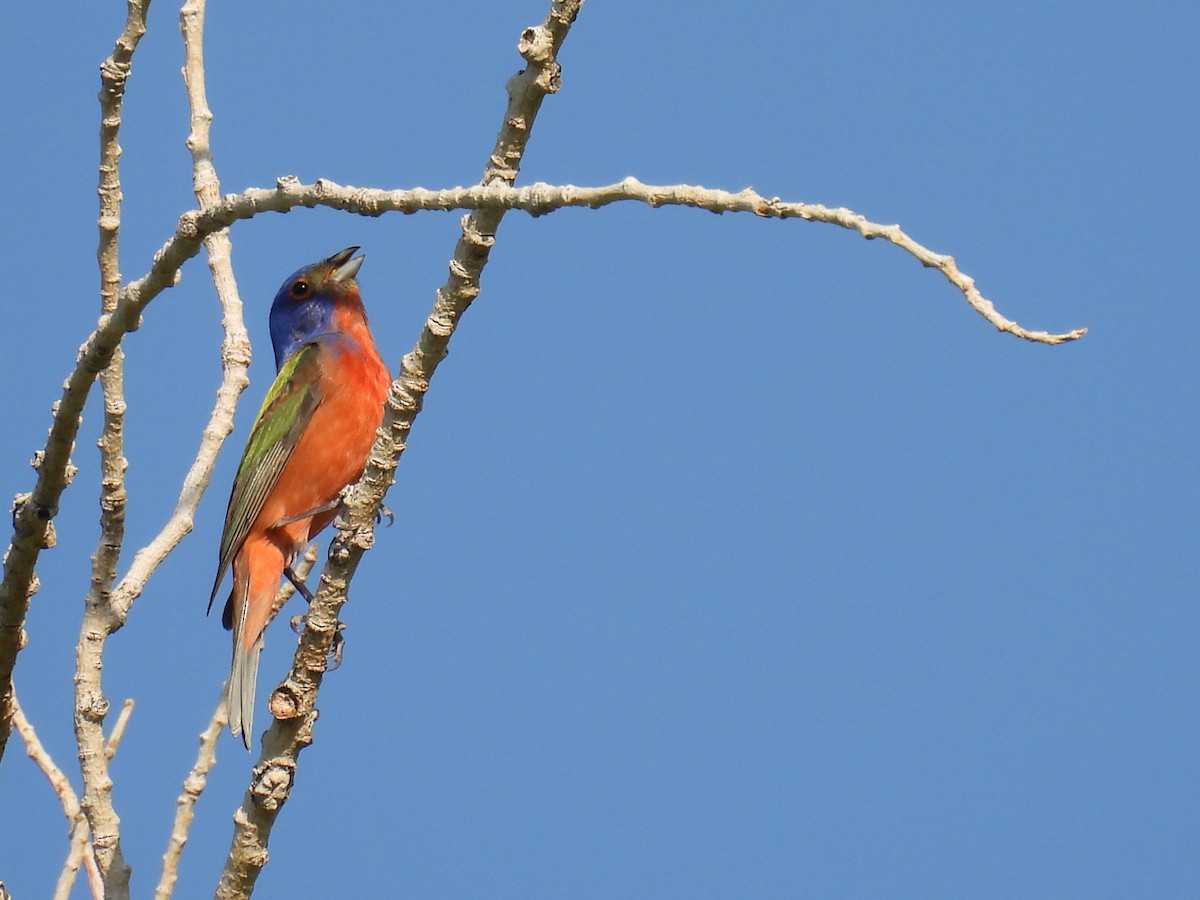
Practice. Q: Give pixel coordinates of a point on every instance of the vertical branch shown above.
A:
(193, 786)
(99, 621)
(235, 362)
(235, 349)
(235, 346)
(293, 703)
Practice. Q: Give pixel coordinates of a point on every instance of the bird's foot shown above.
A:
(384, 513)
(298, 584)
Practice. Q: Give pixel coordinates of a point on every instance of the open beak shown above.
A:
(346, 264)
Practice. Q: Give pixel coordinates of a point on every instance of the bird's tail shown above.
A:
(243, 679)
(256, 573)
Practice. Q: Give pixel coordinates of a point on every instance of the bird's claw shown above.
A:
(338, 648)
(336, 651)
(384, 513)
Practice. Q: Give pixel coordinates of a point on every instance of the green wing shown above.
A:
(285, 414)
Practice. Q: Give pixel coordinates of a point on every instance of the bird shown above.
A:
(310, 440)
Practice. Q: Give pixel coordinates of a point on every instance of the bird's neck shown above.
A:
(349, 319)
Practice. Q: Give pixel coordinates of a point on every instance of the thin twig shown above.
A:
(118, 732)
(81, 849)
(81, 854)
(185, 806)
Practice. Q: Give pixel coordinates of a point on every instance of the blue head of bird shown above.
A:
(306, 305)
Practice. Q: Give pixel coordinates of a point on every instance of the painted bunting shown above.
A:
(310, 440)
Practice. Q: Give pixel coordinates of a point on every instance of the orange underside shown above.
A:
(331, 454)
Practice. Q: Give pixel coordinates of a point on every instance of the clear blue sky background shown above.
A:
(733, 558)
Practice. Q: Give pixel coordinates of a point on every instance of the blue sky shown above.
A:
(732, 557)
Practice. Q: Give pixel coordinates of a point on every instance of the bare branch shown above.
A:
(38, 753)
(539, 199)
(81, 854)
(235, 347)
(81, 849)
(193, 786)
(91, 706)
(118, 732)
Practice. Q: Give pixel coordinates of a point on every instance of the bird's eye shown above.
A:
(300, 289)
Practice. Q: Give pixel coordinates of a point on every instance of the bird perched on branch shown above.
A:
(310, 440)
